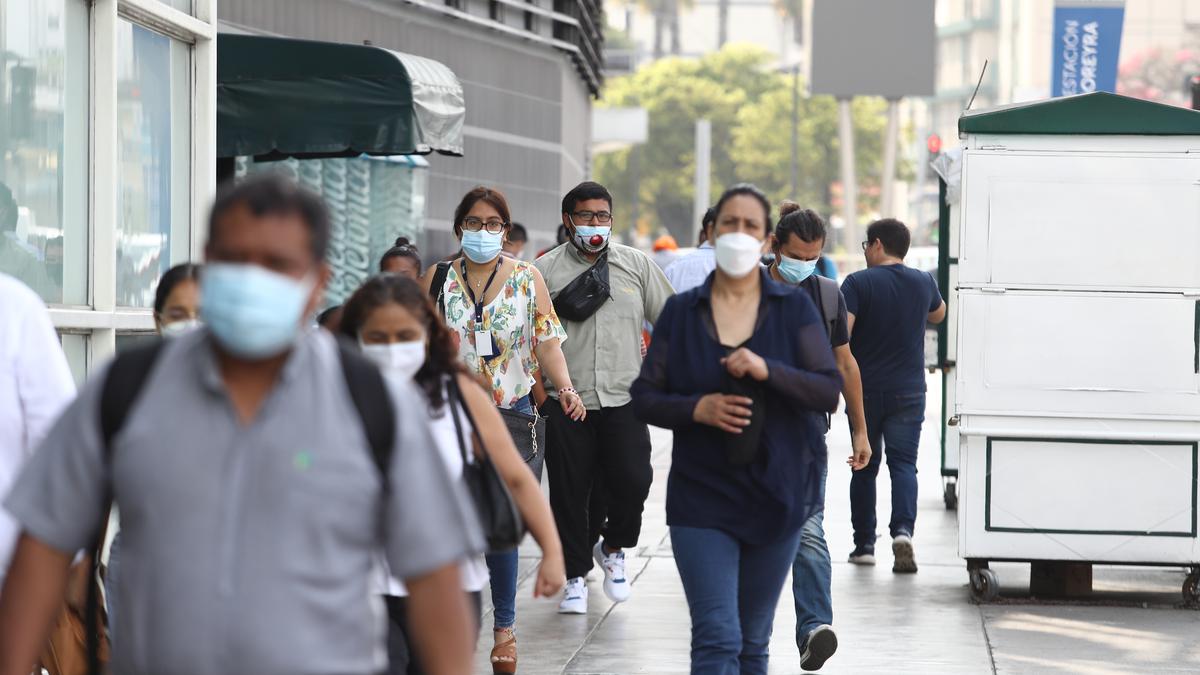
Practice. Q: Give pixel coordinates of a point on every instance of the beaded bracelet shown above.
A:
(567, 389)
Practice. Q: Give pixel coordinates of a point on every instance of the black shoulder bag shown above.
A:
(585, 294)
(498, 516)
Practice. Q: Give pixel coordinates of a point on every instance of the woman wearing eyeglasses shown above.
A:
(501, 311)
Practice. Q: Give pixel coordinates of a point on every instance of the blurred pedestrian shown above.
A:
(176, 312)
(501, 312)
(35, 386)
(666, 250)
(399, 329)
(797, 243)
(604, 292)
(888, 306)
(741, 370)
(402, 258)
(514, 241)
(330, 318)
(560, 238)
(692, 269)
(254, 498)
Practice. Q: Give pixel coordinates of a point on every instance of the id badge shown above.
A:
(483, 344)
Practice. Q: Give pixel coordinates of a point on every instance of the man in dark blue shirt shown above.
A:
(889, 305)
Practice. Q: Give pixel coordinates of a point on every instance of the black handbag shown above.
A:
(498, 516)
(529, 434)
(585, 294)
(742, 449)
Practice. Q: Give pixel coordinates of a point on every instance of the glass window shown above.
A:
(129, 340)
(153, 153)
(181, 5)
(75, 347)
(43, 146)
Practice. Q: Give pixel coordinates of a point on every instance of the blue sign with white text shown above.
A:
(1087, 47)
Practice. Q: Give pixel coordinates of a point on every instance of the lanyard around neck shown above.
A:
(483, 294)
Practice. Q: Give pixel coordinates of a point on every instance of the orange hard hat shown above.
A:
(665, 243)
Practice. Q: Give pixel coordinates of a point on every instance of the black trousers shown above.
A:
(402, 654)
(612, 445)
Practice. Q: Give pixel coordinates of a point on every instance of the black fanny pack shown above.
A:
(585, 294)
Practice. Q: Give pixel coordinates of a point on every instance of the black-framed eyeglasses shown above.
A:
(602, 217)
(492, 226)
(866, 244)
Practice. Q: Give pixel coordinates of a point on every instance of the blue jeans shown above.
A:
(812, 574)
(502, 567)
(893, 427)
(732, 590)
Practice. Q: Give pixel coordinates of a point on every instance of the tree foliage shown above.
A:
(750, 108)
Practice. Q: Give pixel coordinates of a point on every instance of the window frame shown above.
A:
(100, 320)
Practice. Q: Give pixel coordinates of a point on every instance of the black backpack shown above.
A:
(124, 382)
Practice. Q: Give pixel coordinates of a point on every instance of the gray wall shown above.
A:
(528, 124)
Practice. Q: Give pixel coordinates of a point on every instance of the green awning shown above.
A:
(278, 97)
(1098, 113)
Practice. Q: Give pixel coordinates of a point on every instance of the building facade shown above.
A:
(107, 124)
(529, 71)
(1014, 36)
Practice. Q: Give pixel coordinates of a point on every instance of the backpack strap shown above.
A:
(830, 301)
(125, 379)
(373, 403)
(437, 286)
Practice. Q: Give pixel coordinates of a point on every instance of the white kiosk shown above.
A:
(1074, 328)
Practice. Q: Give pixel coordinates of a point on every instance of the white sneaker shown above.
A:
(575, 597)
(616, 586)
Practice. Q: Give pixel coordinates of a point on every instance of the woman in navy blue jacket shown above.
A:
(741, 371)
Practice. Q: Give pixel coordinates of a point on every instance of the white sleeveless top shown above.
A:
(473, 571)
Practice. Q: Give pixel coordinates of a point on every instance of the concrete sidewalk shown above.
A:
(924, 623)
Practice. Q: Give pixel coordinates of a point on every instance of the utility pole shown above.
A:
(849, 184)
(795, 131)
(701, 195)
(887, 181)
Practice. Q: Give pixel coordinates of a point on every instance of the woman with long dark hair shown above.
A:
(740, 369)
(393, 320)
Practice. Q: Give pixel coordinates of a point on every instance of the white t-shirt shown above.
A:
(35, 386)
(473, 571)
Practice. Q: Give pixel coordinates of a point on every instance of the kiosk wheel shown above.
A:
(1191, 588)
(950, 495)
(985, 585)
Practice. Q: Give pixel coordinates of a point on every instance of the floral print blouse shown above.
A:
(516, 327)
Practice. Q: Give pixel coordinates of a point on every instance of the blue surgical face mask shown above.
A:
(586, 237)
(252, 312)
(795, 271)
(482, 246)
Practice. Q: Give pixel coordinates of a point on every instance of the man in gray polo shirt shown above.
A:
(251, 503)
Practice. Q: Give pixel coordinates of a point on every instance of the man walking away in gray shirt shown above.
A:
(252, 503)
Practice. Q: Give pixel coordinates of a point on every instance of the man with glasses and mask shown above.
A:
(603, 293)
(257, 478)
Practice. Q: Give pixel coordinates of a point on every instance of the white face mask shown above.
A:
(738, 254)
(399, 359)
(177, 328)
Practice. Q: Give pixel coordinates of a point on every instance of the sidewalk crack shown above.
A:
(987, 640)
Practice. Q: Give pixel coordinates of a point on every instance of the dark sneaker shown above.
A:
(819, 645)
(863, 555)
(902, 549)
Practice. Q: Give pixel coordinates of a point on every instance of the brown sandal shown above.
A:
(504, 654)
